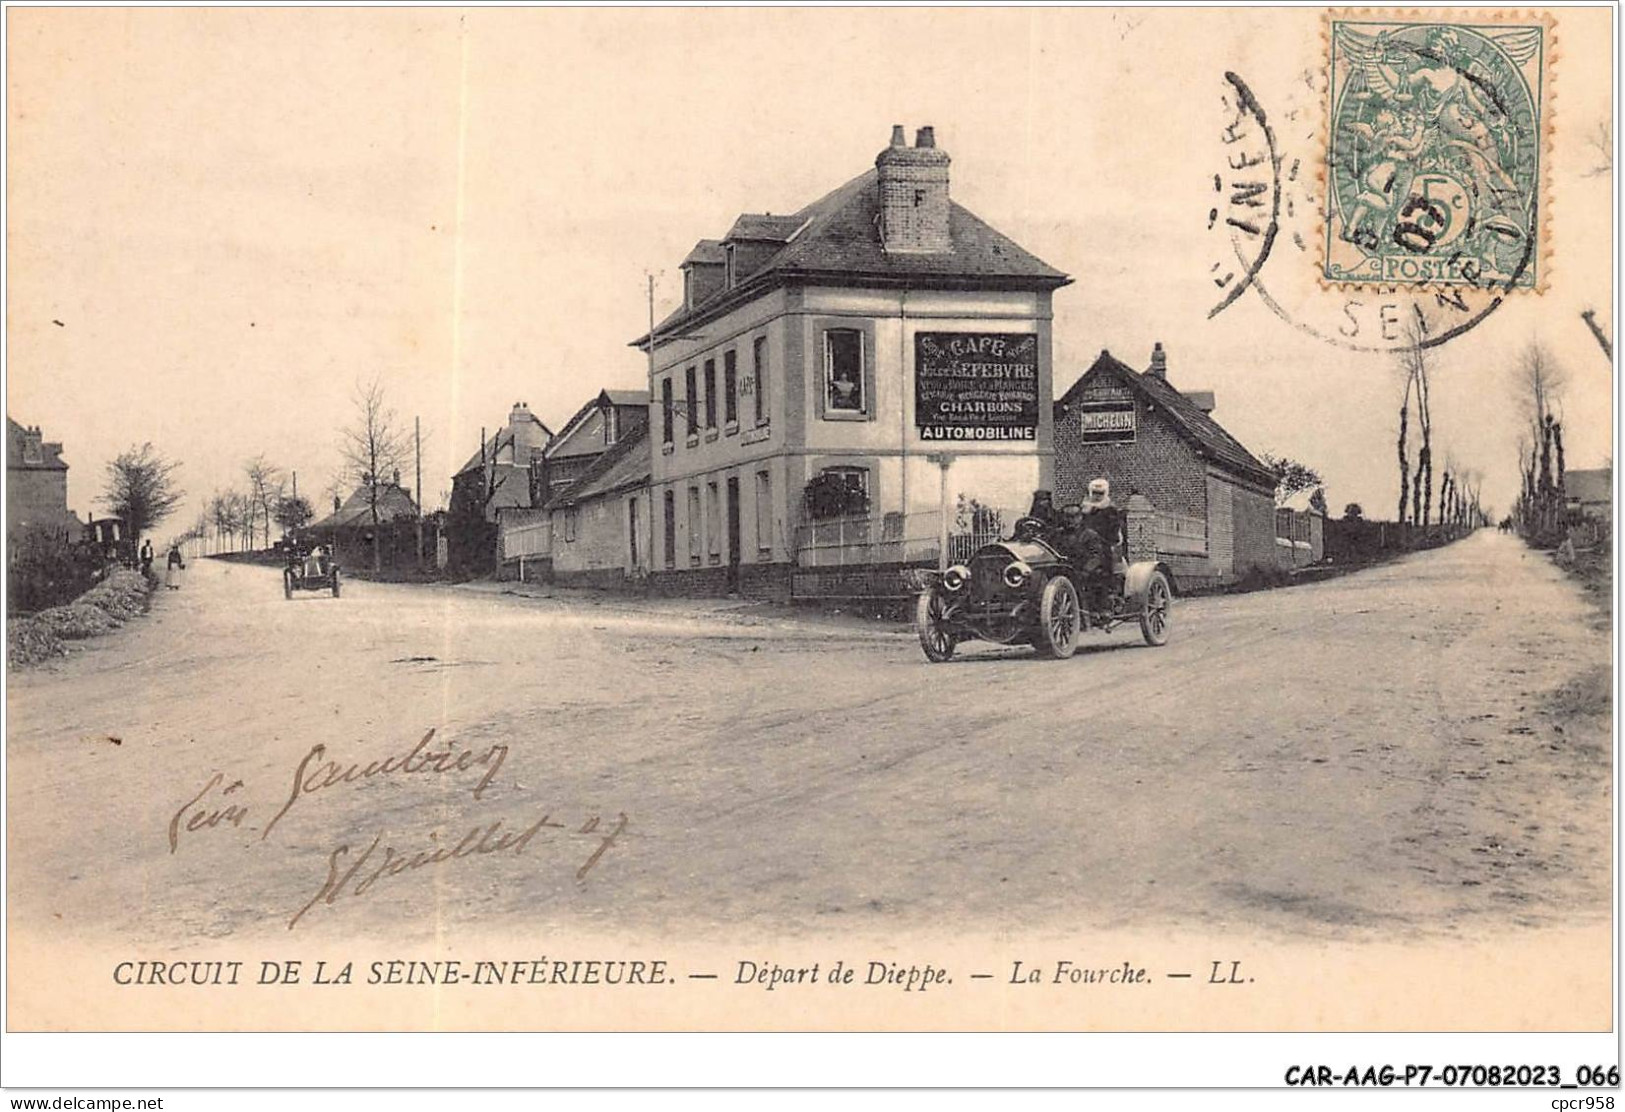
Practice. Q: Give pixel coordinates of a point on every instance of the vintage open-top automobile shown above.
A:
(315, 570)
(1024, 591)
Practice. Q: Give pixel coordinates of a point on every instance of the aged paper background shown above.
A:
(470, 201)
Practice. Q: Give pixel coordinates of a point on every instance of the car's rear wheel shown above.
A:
(1156, 610)
(1060, 619)
(931, 623)
(335, 582)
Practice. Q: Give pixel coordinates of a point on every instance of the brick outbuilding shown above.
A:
(1215, 501)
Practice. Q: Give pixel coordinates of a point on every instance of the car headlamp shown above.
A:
(955, 577)
(1017, 573)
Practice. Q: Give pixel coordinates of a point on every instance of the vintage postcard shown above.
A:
(811, 520)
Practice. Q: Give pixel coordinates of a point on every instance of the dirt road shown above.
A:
(1368, 754)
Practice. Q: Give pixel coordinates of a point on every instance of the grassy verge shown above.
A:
(1593, 568)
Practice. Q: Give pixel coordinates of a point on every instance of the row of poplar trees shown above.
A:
(1459, 504)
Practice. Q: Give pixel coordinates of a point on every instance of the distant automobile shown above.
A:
(312, 571)
(1024, 591)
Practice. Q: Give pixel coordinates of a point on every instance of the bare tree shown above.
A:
(265, 483)
(240, 518)
(141, 489)
(374, 446)
(220, 518)
(1538, 382)
(1412, 357)
(1414, 367)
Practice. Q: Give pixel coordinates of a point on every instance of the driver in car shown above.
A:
(1083, 547)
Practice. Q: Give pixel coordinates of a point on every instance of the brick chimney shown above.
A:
(914, 194)
(1159, 362)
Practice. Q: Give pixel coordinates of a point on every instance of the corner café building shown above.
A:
(1213, 500)
(838, 381)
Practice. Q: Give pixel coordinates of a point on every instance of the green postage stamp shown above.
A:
(1436, 148)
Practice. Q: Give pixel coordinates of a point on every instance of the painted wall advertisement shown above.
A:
(976, 385)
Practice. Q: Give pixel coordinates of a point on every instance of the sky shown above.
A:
(221, 221)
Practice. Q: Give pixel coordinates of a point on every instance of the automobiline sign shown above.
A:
(976, 385)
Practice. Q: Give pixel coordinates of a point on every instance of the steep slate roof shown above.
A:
(1589, 486)
(1204, 434)
(764, 225)
(626, 465)
(393, 502)
(636, 399)
(707, 252)
(50, 452)
(840, 244)
(494, 445)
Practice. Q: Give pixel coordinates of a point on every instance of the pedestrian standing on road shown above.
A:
(172, 576)
(146, 557)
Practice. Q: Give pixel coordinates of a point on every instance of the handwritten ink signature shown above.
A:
(203, 818)
(478, 841)
(413, 760)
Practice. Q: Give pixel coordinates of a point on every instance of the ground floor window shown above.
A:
(764, 511)
(632, 531)
(695, 525)
(713, 521)
(838, 492)
(671, 529)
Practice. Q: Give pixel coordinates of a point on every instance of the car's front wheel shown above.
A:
(1060, 619)
(931, 623)
(335, 582)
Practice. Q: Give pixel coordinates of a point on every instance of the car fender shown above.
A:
(1138, 578)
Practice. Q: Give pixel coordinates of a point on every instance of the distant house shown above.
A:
(598, 426)
(1214, 500)
(350, 530)
(524, 541)
(37, 486)
(502, 479)
(1591, 493)
(500, 474)
(107, 534)
(599, 527)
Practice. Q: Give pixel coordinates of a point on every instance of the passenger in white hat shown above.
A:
(1105, 520)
